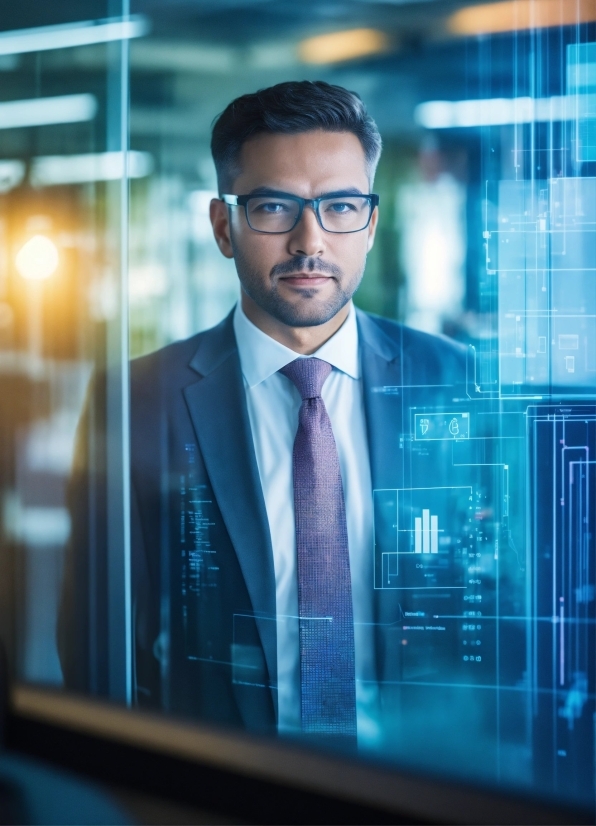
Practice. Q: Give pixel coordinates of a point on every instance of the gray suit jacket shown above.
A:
(203, 577)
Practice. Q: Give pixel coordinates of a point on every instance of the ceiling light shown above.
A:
(67, 35)
(171, 56)
(517, 15)
(53, 170)
(339, 46)
(37, 259)
(445, 114)
(43, 111)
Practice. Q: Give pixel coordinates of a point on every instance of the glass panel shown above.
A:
(476, 596)
(464, 438)
(63, 225)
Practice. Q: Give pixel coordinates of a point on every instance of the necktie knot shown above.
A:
(309, 376)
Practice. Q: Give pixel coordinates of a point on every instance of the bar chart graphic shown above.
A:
(426, 533)
(421, 535)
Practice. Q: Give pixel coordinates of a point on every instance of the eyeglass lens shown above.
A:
(272, 214)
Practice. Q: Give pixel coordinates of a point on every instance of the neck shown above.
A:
(303, 340)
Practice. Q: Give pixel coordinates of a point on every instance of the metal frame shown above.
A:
(242, 200)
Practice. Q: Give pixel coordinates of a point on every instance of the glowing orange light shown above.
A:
(514, 15)
(38, 258)
(339, 46)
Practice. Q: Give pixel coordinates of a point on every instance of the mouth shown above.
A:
(303, 279)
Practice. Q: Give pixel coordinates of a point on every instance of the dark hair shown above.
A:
(290, 108)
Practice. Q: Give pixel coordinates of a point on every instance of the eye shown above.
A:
(340, 207)
(270, 207)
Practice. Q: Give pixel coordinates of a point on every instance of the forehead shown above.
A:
(307, 164)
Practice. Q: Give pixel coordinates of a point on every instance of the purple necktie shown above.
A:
(327, 673)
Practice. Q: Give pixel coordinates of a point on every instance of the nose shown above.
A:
(307, 238)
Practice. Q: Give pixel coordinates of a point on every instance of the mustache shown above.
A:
(306, 263)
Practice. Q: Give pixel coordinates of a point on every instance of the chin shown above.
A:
(309, 316)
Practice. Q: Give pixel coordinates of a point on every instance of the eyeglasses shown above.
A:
(278, 213)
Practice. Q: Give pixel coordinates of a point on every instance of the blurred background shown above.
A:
(105, 180)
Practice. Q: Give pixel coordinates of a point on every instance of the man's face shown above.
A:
(304, 277)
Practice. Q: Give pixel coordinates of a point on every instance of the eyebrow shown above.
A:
(265, 190)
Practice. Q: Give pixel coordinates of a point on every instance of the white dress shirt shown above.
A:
(273, 405)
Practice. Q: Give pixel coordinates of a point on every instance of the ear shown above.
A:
(372, 228)
(220, 221)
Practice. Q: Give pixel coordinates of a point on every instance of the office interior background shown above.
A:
(487, 234)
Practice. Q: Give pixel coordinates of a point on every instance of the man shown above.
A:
(256, 446)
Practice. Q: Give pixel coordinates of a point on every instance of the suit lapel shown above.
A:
(217, 406)
(382, 371)
(382, 377)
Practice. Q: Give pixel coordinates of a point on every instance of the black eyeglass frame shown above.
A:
(314, 203)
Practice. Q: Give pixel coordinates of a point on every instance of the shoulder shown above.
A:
(174, 356)
(160, 374)
(176, 364)
(421, 353)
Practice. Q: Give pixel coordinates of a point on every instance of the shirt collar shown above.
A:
(261, 356)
